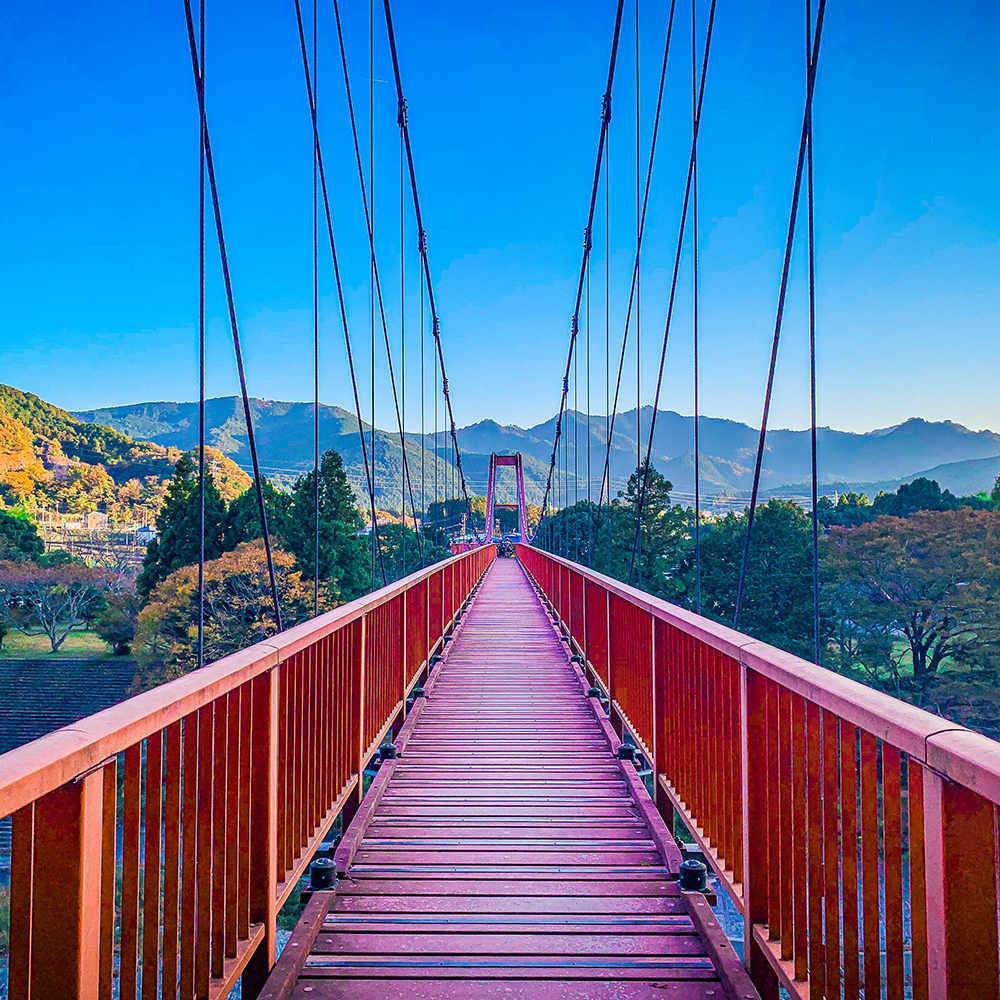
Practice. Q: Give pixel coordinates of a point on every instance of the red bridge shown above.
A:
(508, 845)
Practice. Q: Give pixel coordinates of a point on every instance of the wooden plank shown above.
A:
(152, 827)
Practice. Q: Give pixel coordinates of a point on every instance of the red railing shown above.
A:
(857, 835)
(153, 844)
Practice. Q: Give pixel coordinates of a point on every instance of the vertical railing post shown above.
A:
(753, 828)
(63, 948)
(265, 720)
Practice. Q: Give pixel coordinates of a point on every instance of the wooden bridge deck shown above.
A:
(507, 852)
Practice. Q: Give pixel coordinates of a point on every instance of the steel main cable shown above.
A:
(422, 245)
(369, 222)
(230, 301)
(587, 245)
(789, 241)
(318, 153)
(613, 411)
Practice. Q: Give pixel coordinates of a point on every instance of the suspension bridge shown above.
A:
(504, 777)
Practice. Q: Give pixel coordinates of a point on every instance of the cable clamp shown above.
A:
(565, 383)
(401, 113)
(588, 243)
(422, 242)
(606, 108)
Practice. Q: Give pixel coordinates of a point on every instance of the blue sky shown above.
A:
(99, 185)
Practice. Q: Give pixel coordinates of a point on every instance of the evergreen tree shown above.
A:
(19, 538)
(344, 560)
(242, 520)
(777, 597)
(179, 527)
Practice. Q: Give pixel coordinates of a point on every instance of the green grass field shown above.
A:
(79, 643)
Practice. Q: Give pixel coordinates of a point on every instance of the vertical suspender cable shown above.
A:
(575, 323)
(789, 240)
(315, 234)
(377, 284)
(371, 186)
(422, 242)
(201, 348)
(812, 351)
(633, 288)
(402, 362)
(673, 283)
(638, 273)
(694, 286)
(230, 300)
(376, 543)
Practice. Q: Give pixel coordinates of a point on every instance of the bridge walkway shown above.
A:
(507, 852)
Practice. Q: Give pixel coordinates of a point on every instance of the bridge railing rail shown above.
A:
(856, 834)
(153, 844)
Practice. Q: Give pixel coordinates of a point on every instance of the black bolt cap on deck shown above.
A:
(446, 638)
(387, 751)
(576, 658)
(436, 658)
(564, 638)
(322, 873)
(693, 876)
(625, 752)
(418, 692)
(596, 692)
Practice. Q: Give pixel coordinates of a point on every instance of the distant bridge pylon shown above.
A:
(497, 461)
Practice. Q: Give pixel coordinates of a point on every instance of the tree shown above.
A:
(851, 509)
(778, 592)
(179, 526)
(238, 611)
(344, 559)
(117, 621)
(242, 521)
(19, 536)
(921, 494)
(603, 536)
(402, 555)
(931, 578)
(50, 600)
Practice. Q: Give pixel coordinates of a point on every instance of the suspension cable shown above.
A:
(638, 275)
(673, 282)
(694, 291)
(201, 350)
(369, 208)
(230, 300)
(587, 244)
(633, 289)
(812, 351)
(789, 240)
(315, 236)
(318, 152)
(422, 243)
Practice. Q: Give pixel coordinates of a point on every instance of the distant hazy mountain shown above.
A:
(962, 460)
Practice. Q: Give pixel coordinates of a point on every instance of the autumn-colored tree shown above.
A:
(238, 611)
(932, 578)
(50, 600)
(179, 526)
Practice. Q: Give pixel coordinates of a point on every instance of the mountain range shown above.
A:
(960, 459)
